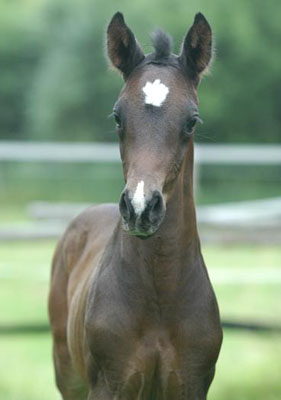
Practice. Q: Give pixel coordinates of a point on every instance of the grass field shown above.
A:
(249, 366)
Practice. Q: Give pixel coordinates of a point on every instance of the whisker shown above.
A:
(111, 115)
(204, 135)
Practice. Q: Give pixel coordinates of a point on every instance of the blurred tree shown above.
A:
(20, 51)
(241, 100)
(72, 95)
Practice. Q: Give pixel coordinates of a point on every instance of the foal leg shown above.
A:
(67, 380)
(68, 383)
(198, 389)
(208, 379)
(100, 392)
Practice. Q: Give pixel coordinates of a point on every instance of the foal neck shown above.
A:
(177, 238)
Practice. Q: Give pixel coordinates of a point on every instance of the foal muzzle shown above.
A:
(142, 217)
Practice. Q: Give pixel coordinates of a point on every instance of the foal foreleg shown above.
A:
(68, 382)
(67, 379)
(100, 392)
(197, 388)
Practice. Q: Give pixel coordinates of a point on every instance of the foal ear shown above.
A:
(196, 52)
(122, 47)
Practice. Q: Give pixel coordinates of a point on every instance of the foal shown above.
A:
(132, 310)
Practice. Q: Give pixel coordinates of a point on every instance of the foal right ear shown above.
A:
(197, 50)
(122, 47)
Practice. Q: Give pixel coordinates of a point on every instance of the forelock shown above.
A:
(162, 43)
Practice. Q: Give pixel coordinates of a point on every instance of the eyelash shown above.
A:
(192, 122)
(117, 120)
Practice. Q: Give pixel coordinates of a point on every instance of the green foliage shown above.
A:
(20, 50)
(56, 85)
(71, 97)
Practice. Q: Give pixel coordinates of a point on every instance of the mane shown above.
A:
(162, 43)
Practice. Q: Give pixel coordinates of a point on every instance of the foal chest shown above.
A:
(139, 367)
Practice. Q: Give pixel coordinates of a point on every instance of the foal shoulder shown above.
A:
(95, 217)
(90, 229)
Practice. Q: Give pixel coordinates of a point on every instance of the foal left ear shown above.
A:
(196, 50)
(122, 47)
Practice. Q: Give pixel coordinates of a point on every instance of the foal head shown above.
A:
(155, 116)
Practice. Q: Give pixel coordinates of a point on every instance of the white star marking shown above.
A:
(155, 93)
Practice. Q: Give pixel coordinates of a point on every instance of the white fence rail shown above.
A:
(109, 152)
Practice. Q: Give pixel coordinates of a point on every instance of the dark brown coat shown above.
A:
(132, 310)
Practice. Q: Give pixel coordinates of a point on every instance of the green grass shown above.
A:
(24, 270)
(26, 368)
(248, 368)
(249, 365)
(261, 302)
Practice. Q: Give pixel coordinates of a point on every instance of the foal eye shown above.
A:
(191, 124)
(117, 120)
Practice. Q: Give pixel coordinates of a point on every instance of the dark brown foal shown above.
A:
(132, 309)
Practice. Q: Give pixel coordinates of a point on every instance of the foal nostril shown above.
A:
(155, 207)
(125, 207)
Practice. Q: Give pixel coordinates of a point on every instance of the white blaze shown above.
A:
(138, 201)
(155, 93)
